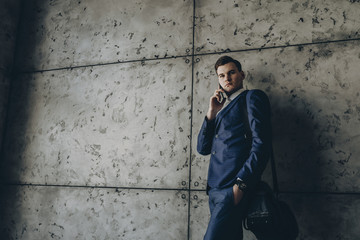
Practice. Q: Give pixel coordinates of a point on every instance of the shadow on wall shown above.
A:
(296, 147)
(298, 161)
(16, 133)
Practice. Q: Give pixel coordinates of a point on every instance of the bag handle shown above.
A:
(272, 159)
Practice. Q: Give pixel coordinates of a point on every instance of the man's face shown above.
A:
(230, 78)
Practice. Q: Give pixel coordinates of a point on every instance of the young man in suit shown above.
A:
(239, 150)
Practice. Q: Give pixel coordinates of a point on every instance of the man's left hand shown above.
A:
(238, 194)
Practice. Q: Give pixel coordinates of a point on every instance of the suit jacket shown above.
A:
(232, 154)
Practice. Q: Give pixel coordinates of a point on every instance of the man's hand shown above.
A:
(215, 105)
(238, 194)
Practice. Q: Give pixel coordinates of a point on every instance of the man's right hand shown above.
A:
(215, 105)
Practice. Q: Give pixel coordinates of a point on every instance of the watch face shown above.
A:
(241, 184)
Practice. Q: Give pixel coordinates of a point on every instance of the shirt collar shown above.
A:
(235, 94)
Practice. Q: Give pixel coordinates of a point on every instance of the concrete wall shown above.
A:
(109, 97)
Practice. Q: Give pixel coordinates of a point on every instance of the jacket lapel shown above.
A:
(226, 110)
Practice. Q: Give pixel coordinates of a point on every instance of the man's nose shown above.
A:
(228, 78)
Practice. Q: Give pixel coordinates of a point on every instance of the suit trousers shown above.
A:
(226, 218)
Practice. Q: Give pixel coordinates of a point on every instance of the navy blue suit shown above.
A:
(233, 155)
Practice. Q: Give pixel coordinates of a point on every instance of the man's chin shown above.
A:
(230, 91)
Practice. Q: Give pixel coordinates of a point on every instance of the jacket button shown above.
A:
(213, 152)
(216, 136)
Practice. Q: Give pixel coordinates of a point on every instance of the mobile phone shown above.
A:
(222, 96)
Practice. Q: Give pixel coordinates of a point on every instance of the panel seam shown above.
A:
(191, 119)
(192, 55)
(168, 189)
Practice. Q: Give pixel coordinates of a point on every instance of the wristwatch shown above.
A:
(241, 184)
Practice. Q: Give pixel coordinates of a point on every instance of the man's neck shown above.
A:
(234, 94)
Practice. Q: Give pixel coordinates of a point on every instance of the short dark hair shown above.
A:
(226, 59)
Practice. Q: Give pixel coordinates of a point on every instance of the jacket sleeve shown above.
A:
(258, 108)
(205, 137)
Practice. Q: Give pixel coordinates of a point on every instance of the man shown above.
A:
(239, 150)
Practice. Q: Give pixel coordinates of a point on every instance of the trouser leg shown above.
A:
(226, 219)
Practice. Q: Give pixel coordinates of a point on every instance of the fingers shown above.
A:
(215, 105)
(219, 95)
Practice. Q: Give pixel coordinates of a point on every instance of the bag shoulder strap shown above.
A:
(249, 136)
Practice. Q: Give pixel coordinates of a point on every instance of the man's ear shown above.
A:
(242, 74)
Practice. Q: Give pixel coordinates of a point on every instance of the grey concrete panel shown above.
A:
(9, 15)
(91, 213)
(235, 25)
(314, 93)
(251, 24)
(199, 214)
(326, 216)
(334, 20)
(115, 125)
(205, 84)
(66, 33)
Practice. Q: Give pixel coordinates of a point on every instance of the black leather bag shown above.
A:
(268, 217)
